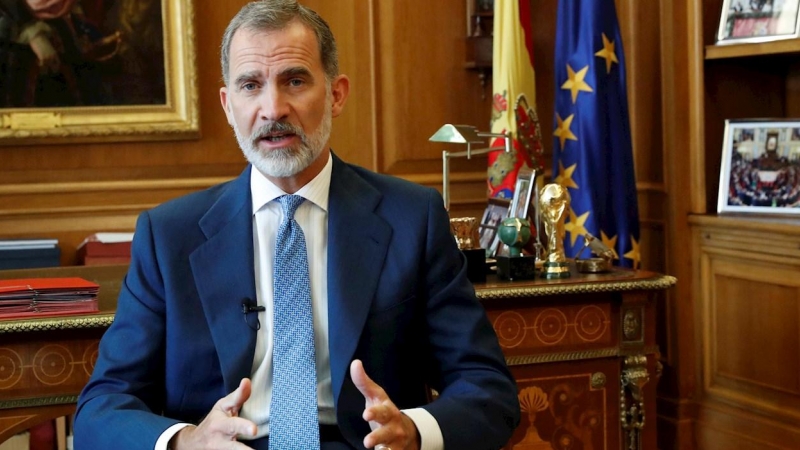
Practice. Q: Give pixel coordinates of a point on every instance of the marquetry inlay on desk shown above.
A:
(584, 355)
(571, 345)
(45, 362)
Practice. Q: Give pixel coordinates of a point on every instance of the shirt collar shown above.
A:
(316, 191)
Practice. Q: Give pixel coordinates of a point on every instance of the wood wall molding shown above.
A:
(748, 299)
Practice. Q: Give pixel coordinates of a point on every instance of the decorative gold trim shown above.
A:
(632, 381)
(41, 401)
(632, 324)
(56, 323)
(657, 283)
(598, 380)
(575, 356)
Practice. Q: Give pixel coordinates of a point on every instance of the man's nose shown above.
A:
(273, 105)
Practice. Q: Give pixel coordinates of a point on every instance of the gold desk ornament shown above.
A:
(599, 263)
(465, 232)
(632, 381)
(553, 204)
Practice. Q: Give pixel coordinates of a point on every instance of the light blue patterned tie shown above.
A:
(293, 422)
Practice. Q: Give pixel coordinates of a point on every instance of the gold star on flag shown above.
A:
(608, 53)
(575, 226)
(562, 130)
(564, 177)
(610, 243)
(634, 254)
(576, 83)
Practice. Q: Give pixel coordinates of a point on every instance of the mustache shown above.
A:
(277, 127)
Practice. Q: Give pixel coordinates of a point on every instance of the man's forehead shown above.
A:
(295, 42)
(294, 32)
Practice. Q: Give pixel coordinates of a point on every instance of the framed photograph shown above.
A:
(523, 192)
(496, 210)
(760, 171)
(100, 71)
(750, 21)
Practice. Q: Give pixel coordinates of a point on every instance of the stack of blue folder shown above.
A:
(29, 253)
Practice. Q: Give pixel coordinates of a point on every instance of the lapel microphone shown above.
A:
(248, 306)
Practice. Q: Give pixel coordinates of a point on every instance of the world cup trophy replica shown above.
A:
(554, 203)
(465, 230)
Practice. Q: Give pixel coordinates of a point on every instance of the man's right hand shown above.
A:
(219, 429)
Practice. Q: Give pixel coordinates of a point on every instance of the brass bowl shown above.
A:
(592, 265)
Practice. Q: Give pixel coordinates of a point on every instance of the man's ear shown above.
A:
(340, 89)
(223, 98)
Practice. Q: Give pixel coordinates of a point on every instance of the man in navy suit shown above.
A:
(187, 363)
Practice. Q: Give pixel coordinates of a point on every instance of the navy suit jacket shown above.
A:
(398, 299)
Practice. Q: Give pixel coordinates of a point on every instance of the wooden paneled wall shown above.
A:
(406, 64)
(404, 88)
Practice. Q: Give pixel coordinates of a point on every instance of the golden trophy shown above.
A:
(465, 231)
(553, 205)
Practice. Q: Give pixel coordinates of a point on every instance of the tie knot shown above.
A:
(290, 204)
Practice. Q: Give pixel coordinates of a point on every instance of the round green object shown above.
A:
(515, 233)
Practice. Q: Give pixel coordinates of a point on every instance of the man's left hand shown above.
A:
(390, 427)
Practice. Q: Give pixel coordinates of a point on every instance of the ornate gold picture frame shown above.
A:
(118, 70)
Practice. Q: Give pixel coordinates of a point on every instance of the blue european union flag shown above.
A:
(592, 154)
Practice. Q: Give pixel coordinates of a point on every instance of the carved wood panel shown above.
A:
(748, 316)
(752, 334)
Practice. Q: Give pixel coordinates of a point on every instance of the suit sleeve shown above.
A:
(477, 405)
(121, 405)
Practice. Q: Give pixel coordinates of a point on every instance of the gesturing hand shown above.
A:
(390, 427)
(221, 426)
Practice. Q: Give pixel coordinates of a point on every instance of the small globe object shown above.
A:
(515, 233)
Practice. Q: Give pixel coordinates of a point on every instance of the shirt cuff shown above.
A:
(163, 441)
(429, 432)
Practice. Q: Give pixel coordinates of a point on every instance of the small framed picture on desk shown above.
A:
(496, 211)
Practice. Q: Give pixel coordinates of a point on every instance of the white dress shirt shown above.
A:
(312, 216)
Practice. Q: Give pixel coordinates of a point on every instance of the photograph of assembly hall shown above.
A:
(760, 168)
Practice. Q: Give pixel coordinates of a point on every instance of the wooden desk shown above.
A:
(572, 344)
(45, 362)
(584, 355)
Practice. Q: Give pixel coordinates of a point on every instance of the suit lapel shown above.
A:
(223, 269)
(358, 240)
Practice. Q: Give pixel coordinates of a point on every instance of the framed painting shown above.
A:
(760, 171)
(97, 71)
(750, 21)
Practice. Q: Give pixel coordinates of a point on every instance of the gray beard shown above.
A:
(287, 161)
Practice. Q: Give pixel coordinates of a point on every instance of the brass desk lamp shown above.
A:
(463, 134)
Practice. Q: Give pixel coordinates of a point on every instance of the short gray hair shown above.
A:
(273, 15)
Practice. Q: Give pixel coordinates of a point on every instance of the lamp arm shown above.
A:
(470, 152)
(506, 138)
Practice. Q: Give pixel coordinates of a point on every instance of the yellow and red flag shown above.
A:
(514, 96)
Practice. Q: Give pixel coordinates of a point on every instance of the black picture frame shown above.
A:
(496, 210)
